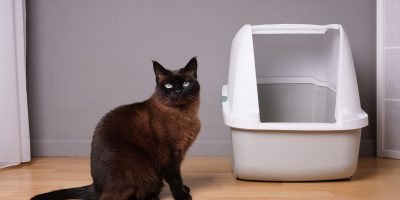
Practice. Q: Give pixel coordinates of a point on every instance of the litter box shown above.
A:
(292, 103)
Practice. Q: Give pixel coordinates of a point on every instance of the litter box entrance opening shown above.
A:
(297, 76)
(290, 102)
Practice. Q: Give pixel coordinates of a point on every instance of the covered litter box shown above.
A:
(292, 103)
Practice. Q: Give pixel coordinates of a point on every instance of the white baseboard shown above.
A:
(81, 148)
(47, 148)
(391, 154)
(211, 148)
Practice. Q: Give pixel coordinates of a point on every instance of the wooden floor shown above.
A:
(211, 178)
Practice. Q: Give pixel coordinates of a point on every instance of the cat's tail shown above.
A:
(85, 192)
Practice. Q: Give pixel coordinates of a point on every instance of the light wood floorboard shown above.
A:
(211, 178)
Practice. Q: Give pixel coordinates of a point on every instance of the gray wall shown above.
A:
(86, 57)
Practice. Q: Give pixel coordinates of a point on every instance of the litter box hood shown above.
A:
(240, 100)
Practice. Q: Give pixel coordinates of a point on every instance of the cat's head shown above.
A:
(177, 87)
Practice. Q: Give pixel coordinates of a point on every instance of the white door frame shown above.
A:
(380, 80)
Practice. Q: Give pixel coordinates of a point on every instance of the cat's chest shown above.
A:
(181, 131)
(182, 125)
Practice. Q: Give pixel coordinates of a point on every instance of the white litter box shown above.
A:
(292, 103)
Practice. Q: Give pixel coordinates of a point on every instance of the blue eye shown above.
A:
(168, 86)
(186, 83)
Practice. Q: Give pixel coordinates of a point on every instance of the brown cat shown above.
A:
(135, 147)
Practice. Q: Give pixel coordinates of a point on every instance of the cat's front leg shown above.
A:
(172, 174)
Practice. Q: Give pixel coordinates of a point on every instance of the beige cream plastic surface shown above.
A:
(292, 103)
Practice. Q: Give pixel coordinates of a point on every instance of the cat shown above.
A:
(137, 146)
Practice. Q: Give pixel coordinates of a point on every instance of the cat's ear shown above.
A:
(160, 71)
(191, 68)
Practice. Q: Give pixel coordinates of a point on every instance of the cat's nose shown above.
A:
(178, 90)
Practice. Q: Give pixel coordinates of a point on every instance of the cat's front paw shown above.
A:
(183, 196)
(186, 188)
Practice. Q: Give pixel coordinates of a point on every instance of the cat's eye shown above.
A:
(186, 83)
(168, 86)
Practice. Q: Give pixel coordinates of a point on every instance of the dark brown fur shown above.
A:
(135, 147)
